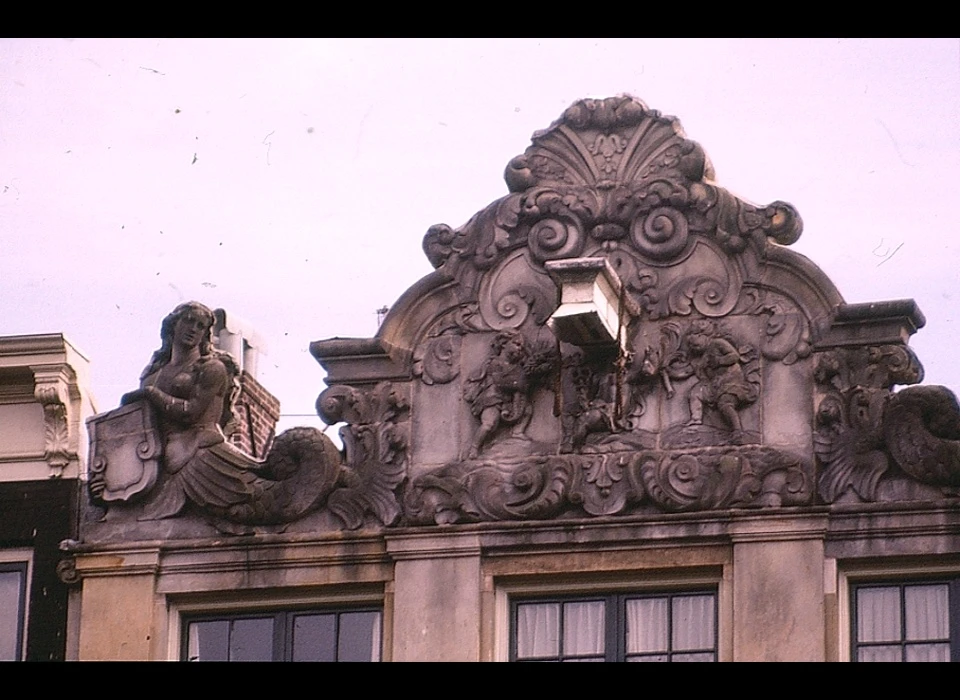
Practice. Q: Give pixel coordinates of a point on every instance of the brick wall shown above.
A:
(256, 413)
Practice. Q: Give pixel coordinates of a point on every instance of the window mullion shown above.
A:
(283, 636)
(614, 629)
(953, 609)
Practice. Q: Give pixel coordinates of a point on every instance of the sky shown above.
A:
(290, 181)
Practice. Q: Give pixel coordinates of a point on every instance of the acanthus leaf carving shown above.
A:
(606, 483)
(375, 437)
(865, 434)
(51, 390)
(550, 486)
(711, 478)
(535, 489)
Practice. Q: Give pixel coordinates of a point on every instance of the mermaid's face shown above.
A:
(190, 329)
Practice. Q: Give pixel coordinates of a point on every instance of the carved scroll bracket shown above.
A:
(55, 387)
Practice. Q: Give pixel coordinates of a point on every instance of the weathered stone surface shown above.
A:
(617, 335)
(163, 454)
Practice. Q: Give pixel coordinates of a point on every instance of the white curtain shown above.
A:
(647, 625)
(926, 608)
(538, 630)
(878, 614)
(583, 628)
(693, 619)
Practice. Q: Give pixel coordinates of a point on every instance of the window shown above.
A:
(13, 608)
(906, 621)
(290, 635)
(617, 627)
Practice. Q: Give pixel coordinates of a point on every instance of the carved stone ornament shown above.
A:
(619, 335)
(375, 439)
(610, 174)
(163, 452)
(866, 435)
(51, 389)
(611, 483)
(126, 439)
(500, 392)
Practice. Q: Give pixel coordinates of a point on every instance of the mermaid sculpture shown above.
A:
(190, 387)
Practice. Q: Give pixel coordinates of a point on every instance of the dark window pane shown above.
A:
(208, 641)
(359, 637)
(252, 639)
(315, 638)
(11, 613)
(286, 636)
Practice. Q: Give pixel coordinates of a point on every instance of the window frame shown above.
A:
(615, 618)
(877, 573)
(252, 604)
(20, 560)
(953, 613)
(716, 579)
(283, 624)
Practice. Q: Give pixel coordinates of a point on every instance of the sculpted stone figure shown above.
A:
(499, 394)
(190, 386)
(722, 382)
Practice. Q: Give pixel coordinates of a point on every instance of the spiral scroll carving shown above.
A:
(661, 235)
(553, 239)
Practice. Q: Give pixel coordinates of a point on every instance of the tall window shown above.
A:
(620, 627)
(911, 621)
(13, 608)
(301, 635)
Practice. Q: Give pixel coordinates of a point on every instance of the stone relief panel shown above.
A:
(614, 483)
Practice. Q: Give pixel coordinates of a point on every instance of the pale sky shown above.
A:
(291, 181)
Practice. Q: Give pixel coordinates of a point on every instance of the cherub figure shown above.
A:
(722, 385)
(499, 394)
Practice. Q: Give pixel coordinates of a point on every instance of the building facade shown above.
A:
(621, 420)
(44, 401)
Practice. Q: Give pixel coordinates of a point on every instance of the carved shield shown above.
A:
(125, 450)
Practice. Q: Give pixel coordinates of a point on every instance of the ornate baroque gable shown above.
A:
(621, 335)
(618, 335)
